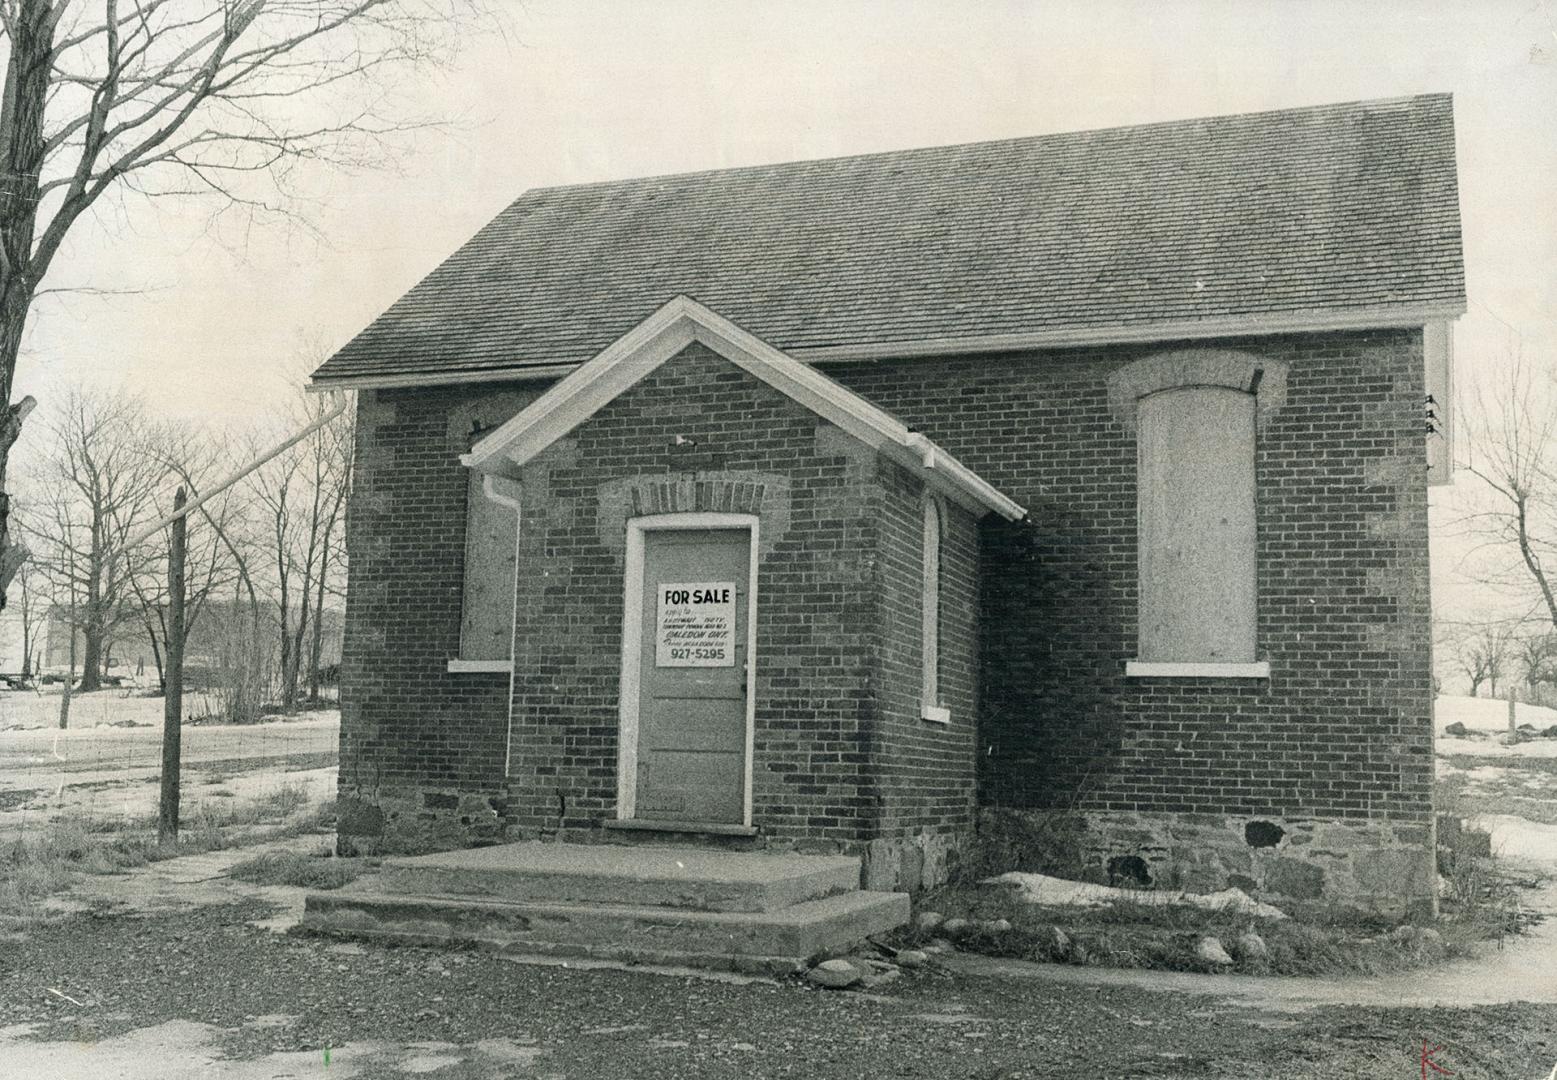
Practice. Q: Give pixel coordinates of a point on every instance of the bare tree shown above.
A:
(1510, 426)
(31, 611)
(331, 454)
(301, 495)
(97, 486)
(1538, 659)
(211, 558)
(1483, 650)
(212, 98)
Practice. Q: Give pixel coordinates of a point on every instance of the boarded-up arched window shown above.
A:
(1195, 491)
(491, 561)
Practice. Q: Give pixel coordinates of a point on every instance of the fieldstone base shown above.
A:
(426, 820)
(413, 822)
(1382, 866)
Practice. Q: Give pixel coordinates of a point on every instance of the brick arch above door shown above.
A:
(765, 494)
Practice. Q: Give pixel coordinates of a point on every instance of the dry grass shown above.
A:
(321, 870)
(33, 868)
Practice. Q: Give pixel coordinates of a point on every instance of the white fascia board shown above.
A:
(1438, 379)
(1368, 318)
(585, 391)
(664, 334)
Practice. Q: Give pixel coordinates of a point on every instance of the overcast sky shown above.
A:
(582, 91)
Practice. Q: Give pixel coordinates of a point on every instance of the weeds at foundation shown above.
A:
(1148, 933)
(1007, 840)
(1481, 903)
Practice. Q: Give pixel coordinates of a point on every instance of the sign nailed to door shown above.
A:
(696, 624)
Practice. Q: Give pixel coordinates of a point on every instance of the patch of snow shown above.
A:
(1535, 748)
(1057, 892)
(1516, 837)
(1489, 714)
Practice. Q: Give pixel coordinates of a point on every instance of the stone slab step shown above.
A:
(690, 878)
(773, 942)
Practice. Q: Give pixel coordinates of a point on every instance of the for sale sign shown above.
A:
(696, 625)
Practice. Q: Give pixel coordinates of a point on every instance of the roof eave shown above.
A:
(1381, 317)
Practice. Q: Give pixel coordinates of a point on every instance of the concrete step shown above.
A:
(684, 878)
(773, 942)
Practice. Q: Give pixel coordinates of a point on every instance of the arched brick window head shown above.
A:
(1195, 415)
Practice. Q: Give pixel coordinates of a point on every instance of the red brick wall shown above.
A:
(1341, 729)
(828, 710)
(926, 767)
(421, 750)
(840, 753)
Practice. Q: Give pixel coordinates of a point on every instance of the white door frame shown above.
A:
(632, 642)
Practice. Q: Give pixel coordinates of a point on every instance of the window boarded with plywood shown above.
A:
(1197, 526)
(491, 560)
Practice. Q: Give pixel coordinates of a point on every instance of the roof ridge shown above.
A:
(1334, 106)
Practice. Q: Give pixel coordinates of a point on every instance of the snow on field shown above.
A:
(1489, 714)
(1515, 837)
(26, 709)
(1487, 721)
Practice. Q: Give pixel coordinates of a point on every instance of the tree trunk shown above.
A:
(156, 656)
(70, 679)
(92, 655)
(30, 41)
(173, 696)
(316, 646)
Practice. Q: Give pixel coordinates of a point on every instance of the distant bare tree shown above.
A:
(220, 99)
(191, 457)
(301, 496)
(1510, 428)
(1483, 651)
(1538, 659)
(32, 613)
(97, 486)
(331, 455)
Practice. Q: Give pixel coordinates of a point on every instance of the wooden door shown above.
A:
(692, 676)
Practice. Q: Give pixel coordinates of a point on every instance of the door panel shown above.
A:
(692, 676)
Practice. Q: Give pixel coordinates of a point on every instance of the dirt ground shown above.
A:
(176, 971)
(206, 993)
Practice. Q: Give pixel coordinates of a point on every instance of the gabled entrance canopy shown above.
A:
(640, 351)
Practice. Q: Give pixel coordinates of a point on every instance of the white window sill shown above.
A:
(1142, 669)
(480, 667)
(936, 714)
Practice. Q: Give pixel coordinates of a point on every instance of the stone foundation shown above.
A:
(418, 822)
(1382, 866)
(437, 819)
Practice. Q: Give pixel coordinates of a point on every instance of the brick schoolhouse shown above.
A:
(821, 506)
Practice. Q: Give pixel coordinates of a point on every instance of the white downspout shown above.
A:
(489, 488)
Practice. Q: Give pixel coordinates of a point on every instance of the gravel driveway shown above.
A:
(203, 993)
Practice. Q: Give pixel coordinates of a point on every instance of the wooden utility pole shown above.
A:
(173, 682)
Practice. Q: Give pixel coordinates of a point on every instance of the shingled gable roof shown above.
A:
(1302, 219)
(636, 355)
